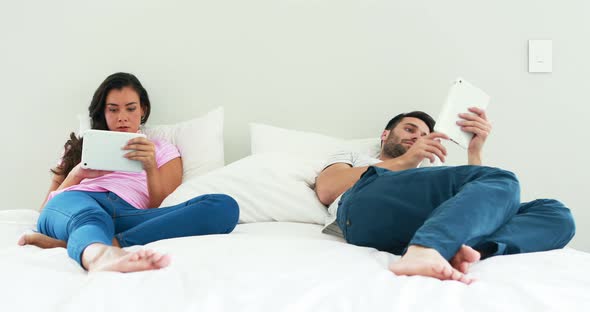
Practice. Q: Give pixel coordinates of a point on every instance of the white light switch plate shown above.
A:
(540, 56)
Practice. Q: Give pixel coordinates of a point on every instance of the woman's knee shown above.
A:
(68, 211)
(223, 207)
(229, 207)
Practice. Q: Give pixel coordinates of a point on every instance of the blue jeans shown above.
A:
(445, 207)
(83, 218)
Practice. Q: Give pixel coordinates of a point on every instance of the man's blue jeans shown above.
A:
(445, 207)
(82, 218)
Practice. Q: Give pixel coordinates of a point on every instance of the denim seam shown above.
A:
(60, 212)
(111, 201)
(144, 212)
(345, 231)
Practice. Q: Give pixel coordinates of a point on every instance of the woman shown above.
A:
(98, 212)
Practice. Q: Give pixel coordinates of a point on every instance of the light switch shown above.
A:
(540, 56)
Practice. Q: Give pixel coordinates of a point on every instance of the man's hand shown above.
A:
(425, 147)
(478, 124)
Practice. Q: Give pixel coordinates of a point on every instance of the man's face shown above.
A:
(397, 141)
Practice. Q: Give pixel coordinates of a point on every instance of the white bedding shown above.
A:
(280, 266)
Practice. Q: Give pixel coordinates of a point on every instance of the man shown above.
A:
(441, 219)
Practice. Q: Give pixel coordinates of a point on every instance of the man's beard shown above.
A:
(392, 149)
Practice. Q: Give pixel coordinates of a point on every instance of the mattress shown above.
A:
(280, 266)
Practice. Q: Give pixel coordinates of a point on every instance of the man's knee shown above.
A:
(506, 175)
(559, 216)
(563, 217)
(504, 181)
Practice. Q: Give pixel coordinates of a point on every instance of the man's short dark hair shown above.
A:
(429, 121)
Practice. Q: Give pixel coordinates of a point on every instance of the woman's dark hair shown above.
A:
(73, 147)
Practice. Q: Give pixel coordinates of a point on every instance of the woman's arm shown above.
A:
(56, 181)
(60, 182)
(163, 181)
(160, 181)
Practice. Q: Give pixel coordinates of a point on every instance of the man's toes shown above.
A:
(460, 277)
(471, 255)
(444, 271)
(456, 275)
(464, 279)
(463, 267)
(455, 262)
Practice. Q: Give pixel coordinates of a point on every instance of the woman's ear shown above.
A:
(142, 110)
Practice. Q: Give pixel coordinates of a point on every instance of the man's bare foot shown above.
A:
(424, 261)
(464, 258)
(41, 241)
(100, 257)
(45, 242)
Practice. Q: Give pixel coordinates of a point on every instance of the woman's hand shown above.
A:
(76, 175)
(80, 173)
(143, 150)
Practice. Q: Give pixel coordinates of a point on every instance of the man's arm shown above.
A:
(335, 180)
(339, 177)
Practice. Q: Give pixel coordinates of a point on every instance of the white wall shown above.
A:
(338, 67)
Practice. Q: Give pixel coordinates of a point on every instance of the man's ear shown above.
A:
(385, 135)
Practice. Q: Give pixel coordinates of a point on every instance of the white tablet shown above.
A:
(102, 150)
(462, 95)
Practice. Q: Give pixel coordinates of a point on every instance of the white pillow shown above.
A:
(270, 139)
(199, 140)
(267, 187)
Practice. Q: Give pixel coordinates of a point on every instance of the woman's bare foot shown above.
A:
(45, 242)
(41, 241)
(424, 261)
(464, 258)
(100, 257)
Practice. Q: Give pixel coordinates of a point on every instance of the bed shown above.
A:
(277, 258)
(280, 266)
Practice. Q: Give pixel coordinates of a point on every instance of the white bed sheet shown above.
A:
(280, 267)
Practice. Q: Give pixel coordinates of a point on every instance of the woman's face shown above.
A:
(123, 110)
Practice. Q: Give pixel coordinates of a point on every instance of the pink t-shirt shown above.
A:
(130, 186)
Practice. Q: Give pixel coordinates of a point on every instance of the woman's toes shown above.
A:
(22, 240)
